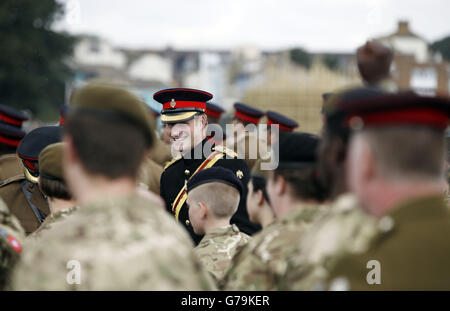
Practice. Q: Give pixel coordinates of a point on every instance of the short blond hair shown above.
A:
(221, 199)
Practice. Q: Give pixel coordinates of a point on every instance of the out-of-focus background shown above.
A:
(279, 55)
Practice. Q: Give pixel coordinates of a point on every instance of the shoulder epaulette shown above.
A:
(171, 162)
(11, 179)
(227, 151)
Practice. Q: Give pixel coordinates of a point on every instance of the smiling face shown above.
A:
(185, 135)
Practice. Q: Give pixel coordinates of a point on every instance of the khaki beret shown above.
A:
(113, 103)
(50, 161)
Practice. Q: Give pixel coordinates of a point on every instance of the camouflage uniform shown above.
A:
(346, 227)
(218, 247)
(11, 235)
(261, 264)
(51, 220)
(120, 243)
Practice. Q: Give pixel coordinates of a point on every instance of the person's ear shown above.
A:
(368, 163)
(260, 195)
(280, 185)
(203, 210)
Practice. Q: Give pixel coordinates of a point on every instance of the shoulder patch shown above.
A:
(227, 151)
(171, 162)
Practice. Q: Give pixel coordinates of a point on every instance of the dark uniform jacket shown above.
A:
(14, 189)
(179, 171)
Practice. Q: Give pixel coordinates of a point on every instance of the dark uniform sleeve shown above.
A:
(162, 193)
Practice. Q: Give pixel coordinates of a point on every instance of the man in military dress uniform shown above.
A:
(11, 134)
(183, 112)
(22, 194)
(396, 169)
(284, 125)
(214, 113)
(245, 139)
(211, 214)
(117, 239)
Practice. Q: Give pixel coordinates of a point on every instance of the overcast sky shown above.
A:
(317, 25)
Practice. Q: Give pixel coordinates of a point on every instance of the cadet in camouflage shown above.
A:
(117, 240)
(118, 244)
(345, 227)
(213, 197)
(261, 264)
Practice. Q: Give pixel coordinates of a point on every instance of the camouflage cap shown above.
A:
(50, 161)
(113, 103)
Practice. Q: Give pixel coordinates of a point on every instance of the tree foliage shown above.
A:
(442, 46)
(300, 57)
(32, 68)
(330, 61)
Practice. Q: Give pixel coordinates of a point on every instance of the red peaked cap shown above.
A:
(181, 104)
(396, 109)
(213, 110)
(247, 113)
(11, 116)
(284, 123)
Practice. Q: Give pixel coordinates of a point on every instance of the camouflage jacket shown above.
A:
(218, 247)
(346, 227)
(261, 263)
(51, 220)
(11, 236)
(116, 243)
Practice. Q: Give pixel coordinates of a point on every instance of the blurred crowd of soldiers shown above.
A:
(102, 201)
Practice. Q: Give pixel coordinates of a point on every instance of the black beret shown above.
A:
(284, 123)
(215, 174)
(33, 143)
(297, 150)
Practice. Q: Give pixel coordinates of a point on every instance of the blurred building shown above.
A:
(415, 65)
(265, 79)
